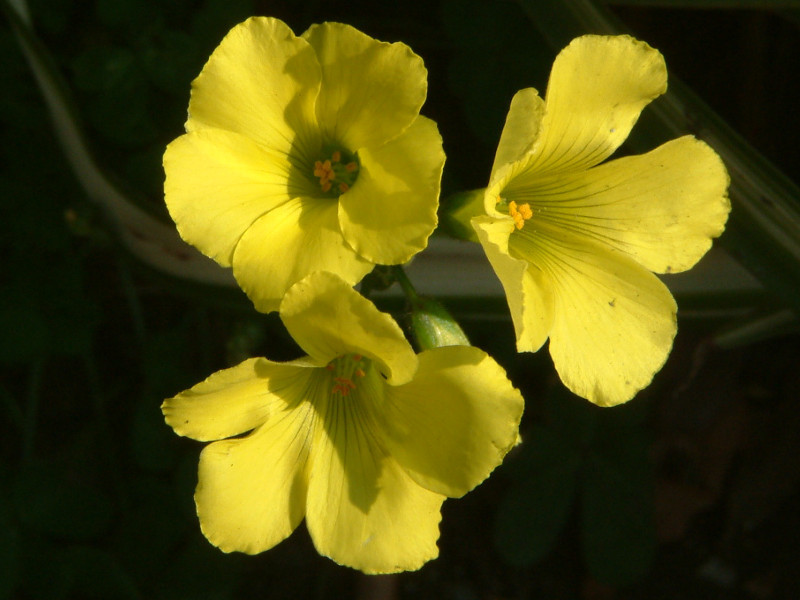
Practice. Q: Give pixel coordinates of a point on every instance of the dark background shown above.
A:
(689, 491)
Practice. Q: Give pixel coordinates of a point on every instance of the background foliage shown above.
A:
(689, 491)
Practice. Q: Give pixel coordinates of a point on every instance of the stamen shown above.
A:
(346, 369)
(520, 213)
(338, 173)
(343, 386)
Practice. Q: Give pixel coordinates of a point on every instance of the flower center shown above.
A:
(337, 171)
(520, 213)
(346, 370)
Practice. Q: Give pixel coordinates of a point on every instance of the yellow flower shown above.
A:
(361, 437)
(575, 244)
(305, 154)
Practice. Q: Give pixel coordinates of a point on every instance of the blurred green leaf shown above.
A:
(54, 15)
(166, 363)
(494, 56)
(43, 575)
(171, 61)
(24, 334)
(573, 418)
(618, 527)
(535, 507)
(711, 4)
(103, 68)
(152, 443)
(215, 17)
(617, 509)
(50, 500)
(199, 570)
(124, 14)
(598, 454)
(152, 529)
(95, 574)
(9, 547)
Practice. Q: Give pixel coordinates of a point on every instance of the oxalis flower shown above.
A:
(305, 154)
(575, 242)
(361, 437)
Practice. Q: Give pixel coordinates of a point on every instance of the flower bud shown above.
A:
(434, 327)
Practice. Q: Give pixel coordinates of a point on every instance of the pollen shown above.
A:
(336, 171)
(520, 213)
(342, 386)
(346, 370)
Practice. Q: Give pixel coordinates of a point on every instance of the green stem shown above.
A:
(405, 283)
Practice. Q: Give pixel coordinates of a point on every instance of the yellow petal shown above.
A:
(520, 130)
(230, 402)
(328, 318)
(662, 208)
(218, 183)
(251, 491)
(614, 321)
(262, 82)
(528, 292)
(597, 88)
(390, 212)
(289, 242)
(363, 510)
(371, 90)
(454, 423)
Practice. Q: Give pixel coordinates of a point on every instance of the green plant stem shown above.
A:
(405, 283)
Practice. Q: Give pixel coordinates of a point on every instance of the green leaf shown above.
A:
(43, 574)
(172, 60)
(574, 418)
(52, 501)
(94, 574)
(9, 548)
(538, 503)
(152, 528)
(712, 4)
(216, 17)
(618, 528)
(494, 56)
(152, 443)
(618, 511)
(124, 14)
(198, 570)
(23, 333)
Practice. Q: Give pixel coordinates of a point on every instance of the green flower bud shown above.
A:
(434, 327)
